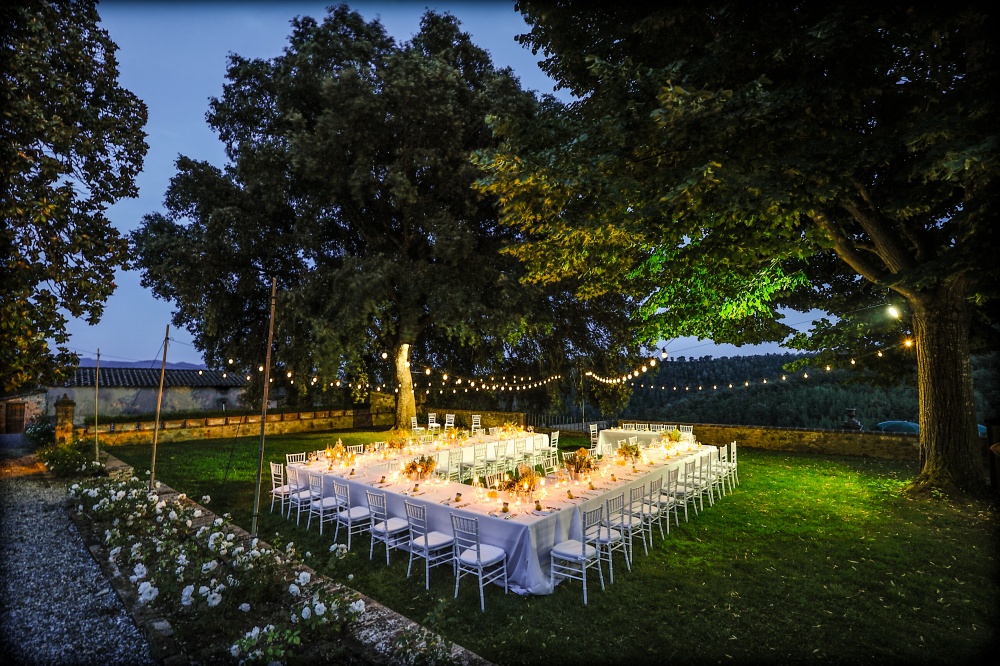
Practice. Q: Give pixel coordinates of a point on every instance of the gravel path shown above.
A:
(56, 606)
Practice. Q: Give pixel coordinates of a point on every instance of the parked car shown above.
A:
(913, 428)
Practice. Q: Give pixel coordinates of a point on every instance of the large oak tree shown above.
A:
(724, 160)
(72, 144)
(350, 181)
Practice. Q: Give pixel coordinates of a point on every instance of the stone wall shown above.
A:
(116, 400)
(228, 427)
(895, 446)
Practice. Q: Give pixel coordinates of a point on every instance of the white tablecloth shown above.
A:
(607, 439)
(525, 535)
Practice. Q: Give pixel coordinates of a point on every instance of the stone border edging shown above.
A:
(372, 639)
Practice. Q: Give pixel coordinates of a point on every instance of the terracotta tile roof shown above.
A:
(150, 377)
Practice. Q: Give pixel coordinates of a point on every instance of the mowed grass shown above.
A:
(810, 559)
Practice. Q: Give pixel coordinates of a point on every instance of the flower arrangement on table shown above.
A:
(397, 443)
(629, 452)
(528, 480)
(674, 435)
(420, 467)
(579, 462)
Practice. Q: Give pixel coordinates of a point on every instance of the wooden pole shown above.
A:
(159, 400)
(263, 409)
(97, 383)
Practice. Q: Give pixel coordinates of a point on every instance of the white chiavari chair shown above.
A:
(488, 563)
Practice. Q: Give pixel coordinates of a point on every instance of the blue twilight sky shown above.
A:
(173, 56)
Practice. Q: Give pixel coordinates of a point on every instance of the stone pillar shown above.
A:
(64, 419)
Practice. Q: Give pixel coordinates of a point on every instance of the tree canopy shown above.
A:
(725, 160)
(73, 144)
(350, 181)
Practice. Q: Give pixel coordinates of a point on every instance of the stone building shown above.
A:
(124, 391)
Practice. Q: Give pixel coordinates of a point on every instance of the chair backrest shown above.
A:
(633, 440)
(672, 475)
(655, 488)
(493, 430)
(554, 439)
(705, 461)
(466, 533)
(343, 493)
(277, 475)
(615, 507)
(626, 426)
(426, 439)
(519, 446)
(432, 419)
(296, 478)
(493, 480)
(477, 422)
(416, 518)
(454, 459)
(295, 457)
(479, 453)
(636, 496)
(687, 429)
(315, 484)
(593, 433)
(355, 448)
(449, 421)
(689, 472)
(319, 453)
(732, 451)
(590, 520)
(668, 428)
(413, 423)
(376, 505)
(723, 454)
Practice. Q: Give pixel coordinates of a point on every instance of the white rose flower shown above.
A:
(187, 595)
(205, 499)
(245, 607)
(358, 606)
(213, 599)
(304, 578)
(306, 612)
(293, 590)
(235, 651)
(320, 609)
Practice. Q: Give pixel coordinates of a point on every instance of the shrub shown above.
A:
(217, 591)
(41, 431)
(76, 459)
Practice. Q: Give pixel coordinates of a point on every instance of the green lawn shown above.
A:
(811, 559)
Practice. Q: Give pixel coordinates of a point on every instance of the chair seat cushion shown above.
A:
(488, 553)
(281, 490)
(604, 536)
(301, 496)
(354, 513)
(325, 503)
(571, 550)
(392, 526)
(431, 541)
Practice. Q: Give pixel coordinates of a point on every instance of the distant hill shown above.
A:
(109, 363)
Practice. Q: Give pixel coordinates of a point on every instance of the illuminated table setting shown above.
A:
(524, 532)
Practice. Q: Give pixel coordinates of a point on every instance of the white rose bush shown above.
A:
(227, 599)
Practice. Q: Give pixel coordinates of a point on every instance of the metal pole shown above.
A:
(97, 382)
(263, 410)
(583, 404)
(159, 400)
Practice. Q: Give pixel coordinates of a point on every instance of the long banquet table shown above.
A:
(526, 535)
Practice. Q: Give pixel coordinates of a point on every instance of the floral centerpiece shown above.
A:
(420, 468)
(579, 462)
(674, 435)
(397, 443)
(528, 480)
(629, 452)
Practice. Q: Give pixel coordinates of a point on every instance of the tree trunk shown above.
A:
(406, 407)
(949, 439)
